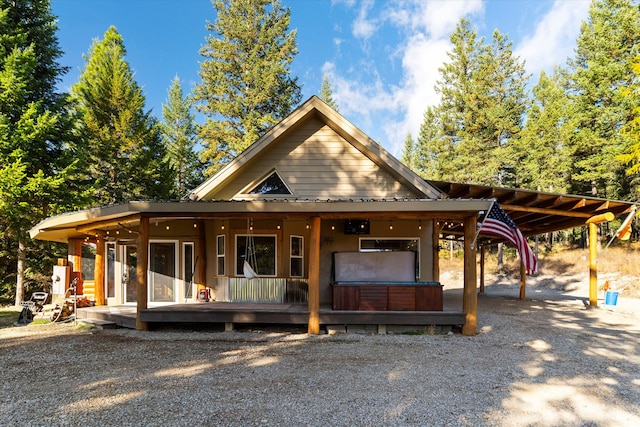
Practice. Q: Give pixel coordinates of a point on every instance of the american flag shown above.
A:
(498, 223)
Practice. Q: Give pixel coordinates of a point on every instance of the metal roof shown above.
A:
(535, 212)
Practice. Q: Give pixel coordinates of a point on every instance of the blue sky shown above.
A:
(381, 57)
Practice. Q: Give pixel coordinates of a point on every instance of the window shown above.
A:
(264, 247)
(111, 270)
(272, 184)
(162, 271)
(220, 253)
(88, 261)
(296, 266)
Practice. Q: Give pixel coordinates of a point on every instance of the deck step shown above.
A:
(99, 323)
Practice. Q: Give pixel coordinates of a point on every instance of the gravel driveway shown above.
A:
(546, 361)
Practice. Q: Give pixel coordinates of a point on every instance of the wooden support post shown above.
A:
(593, 264)
(98, 271)
(141, 271)
(593, 254)
(314, 276)
(523, 281)
(75, 255)
(470, 295)
(435, 237)
(482, 253)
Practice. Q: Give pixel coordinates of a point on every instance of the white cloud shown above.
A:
(554, 37)
(389, 110)
(364, 27)
(395, 109)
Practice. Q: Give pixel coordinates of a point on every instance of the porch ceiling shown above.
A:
(91, 221)
(535, 212)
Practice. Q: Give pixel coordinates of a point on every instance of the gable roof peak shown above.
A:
(314, 107)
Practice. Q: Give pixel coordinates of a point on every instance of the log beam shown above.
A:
(141, 271)
(314, 276)
(436, 228)
(470, 296)
(98, 271)
(593, 264)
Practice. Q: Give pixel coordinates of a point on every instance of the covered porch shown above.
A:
(322, 228)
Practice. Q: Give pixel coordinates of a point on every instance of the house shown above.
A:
(318, 211)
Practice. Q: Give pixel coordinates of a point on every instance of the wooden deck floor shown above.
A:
(238, 313)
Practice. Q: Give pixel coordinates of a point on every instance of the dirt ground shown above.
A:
(546, 361)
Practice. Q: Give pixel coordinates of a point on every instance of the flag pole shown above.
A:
(624, 224)
(473, 244)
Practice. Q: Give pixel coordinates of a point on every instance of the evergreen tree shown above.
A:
(456, 81)
(631, 155)
(127, 159)
(246, 87)
(602, 65)
(542, 151)
(326, 93)
(36, 153)
(434, 152)
(500, 80)
(180, 135)
(409, 152)
(483, 99)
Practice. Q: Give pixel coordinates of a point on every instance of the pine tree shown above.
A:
(326, 93)
(246, 87)
(456, 81)
(434, 152)
(180, 135)
(483, 99)
(127, 159)
(409, 152)
(36, 153)
(495, 105)
(602, 66)
(542, 151)
(631, 154)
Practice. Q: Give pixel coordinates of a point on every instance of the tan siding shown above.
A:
(315, 162)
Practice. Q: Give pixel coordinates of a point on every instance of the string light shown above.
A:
(390, 225)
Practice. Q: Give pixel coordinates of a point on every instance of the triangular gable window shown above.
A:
(272, 184)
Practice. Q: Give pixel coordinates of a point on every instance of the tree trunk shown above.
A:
(22, 260)
(500, 258)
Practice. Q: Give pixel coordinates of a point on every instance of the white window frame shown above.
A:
(221, 255)
(300, 256)
(275, 254)
(150, 293)
(110, 246)
(246, 192)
